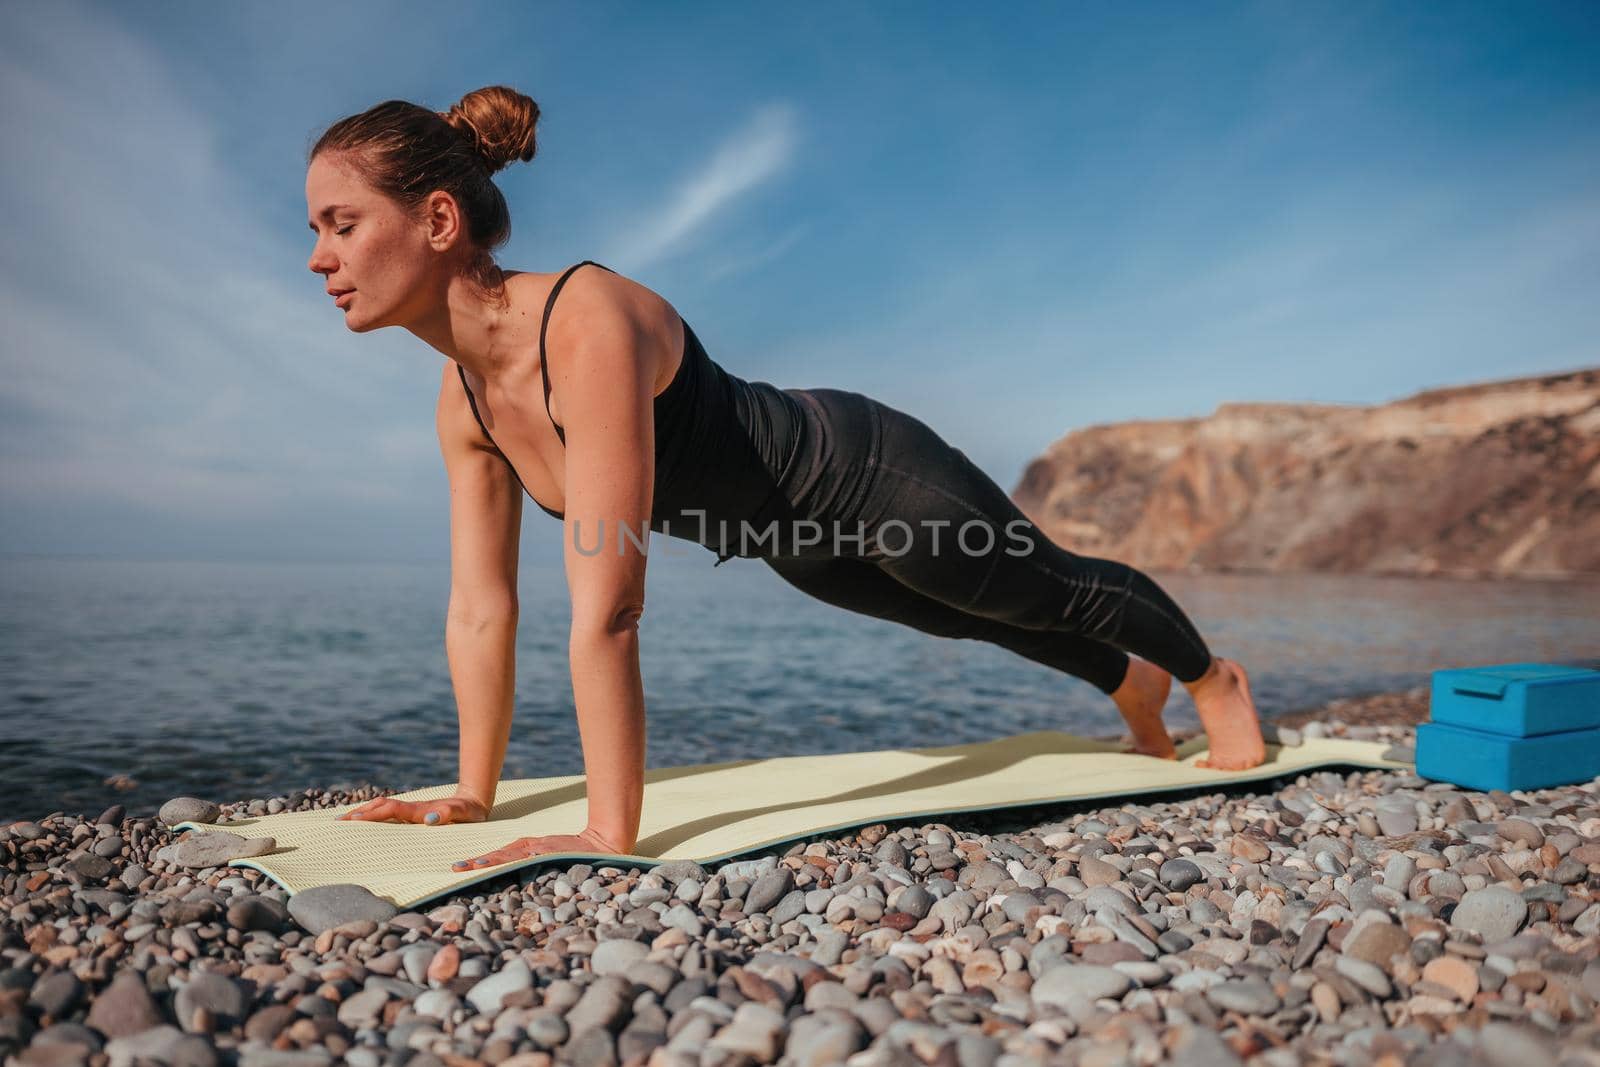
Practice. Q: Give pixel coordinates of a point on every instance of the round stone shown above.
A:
(188, 809)
(1249, 996)
(617, 956)
(1074, 981)
(1520, 832)
(1495, 913)
(1377, 942)
(216, 993)
(770, 888)
(1366, 975)
(325, 906)
(256, 912)
(1096, 871)
(1179, 874)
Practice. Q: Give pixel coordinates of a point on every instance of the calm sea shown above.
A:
(134, 682)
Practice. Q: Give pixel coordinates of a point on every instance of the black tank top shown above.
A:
(723, 444)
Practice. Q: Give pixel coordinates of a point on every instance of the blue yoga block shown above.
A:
(1480, 760)
(1517, 699)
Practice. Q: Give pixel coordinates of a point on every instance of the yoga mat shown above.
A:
(713, 811)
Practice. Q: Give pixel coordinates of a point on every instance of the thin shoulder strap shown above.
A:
(473, 401)
(549, 306)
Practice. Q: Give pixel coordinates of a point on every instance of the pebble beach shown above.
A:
(1336, 917)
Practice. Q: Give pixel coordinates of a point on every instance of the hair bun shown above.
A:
(500, 122)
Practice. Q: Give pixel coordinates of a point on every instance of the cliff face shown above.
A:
(1498, 479)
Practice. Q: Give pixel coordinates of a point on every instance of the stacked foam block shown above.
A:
(1516, 726)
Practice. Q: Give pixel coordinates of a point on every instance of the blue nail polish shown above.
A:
(431, 817)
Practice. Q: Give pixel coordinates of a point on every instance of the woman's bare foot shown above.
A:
(1222, 697)
(1140, 698)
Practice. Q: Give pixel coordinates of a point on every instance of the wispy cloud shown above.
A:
(756, 153)
(770, 252)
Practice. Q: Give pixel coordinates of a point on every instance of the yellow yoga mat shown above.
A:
(713, 811)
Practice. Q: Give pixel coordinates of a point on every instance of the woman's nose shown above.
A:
(321, 262)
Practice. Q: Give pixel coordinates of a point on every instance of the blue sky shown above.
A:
(1010, 223)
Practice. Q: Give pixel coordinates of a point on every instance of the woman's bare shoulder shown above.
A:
(596, 299)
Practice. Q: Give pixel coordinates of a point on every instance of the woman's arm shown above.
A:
(481, 623)
(602, 368)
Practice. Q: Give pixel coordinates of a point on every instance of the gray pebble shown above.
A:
(617, 956)
(1494, 913)
(684, 918)
(415, 959)
(325, 906)
(601, 1005)
(770, 888)
(1520, 832)
(271, 1057)
(214, 849)
(188, 809)
(1174, 941)
(1508, 1045)
(363, 1009)
(756, 1030)
(823, 1040)
(163, 1044)
(790, 907)
(124, 1007)
(70, 1034)
(1366, 975)
(547, 1030)
(1248, 996)
(1396, 819)
(488, 994)
(679, 871)
(1398, 872)
(594, 1047)
(1569, 872)
(436, 1004)
(893, 853)
(831, 944)
(1198, 1046)
(915, 901)
(56, 994)
(1061, 985)
(748, 870)
(217, 993)
(1179, 874)
(255, 912)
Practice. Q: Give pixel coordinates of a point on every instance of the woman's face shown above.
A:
(366, 243)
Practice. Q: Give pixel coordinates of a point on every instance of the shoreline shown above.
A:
(1336, 918)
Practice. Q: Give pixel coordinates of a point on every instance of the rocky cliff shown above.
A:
(1496, 479)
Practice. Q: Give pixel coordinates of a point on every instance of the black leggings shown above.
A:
(912, 531)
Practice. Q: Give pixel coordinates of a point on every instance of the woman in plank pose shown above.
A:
(606, 410)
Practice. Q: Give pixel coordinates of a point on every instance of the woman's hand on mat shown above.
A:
(523, 847)
(431, 812)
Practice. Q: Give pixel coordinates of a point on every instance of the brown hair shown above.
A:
(407, 151)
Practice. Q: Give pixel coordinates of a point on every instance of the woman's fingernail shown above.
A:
(431, 817)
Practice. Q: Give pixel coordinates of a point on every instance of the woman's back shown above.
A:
(722, 444)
